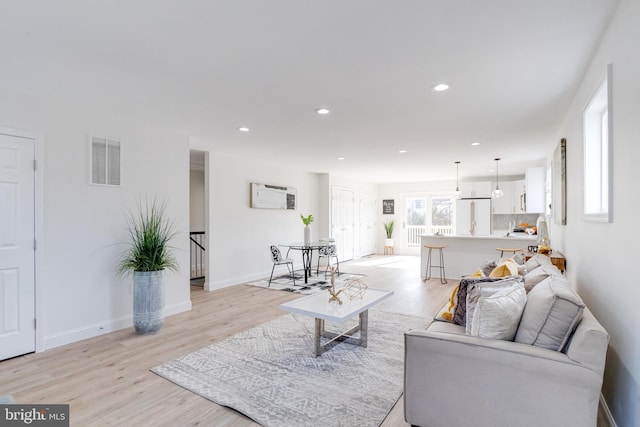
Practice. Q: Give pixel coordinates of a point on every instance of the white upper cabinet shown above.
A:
(513, 200)
(520, 196)
(504, 204)
(535, 178)
(475, 189)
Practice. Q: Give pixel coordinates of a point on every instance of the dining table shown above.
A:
(307, 253)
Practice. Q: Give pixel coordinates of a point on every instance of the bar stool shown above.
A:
(512, 250)
(430, 266)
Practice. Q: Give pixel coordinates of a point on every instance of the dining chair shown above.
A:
(329, 252)
(277, 259)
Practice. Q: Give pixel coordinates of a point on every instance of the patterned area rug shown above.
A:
(270, 374)
(315, 283)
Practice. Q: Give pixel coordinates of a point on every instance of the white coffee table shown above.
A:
(319, 307)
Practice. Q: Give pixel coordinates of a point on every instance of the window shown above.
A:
(597, 154)
(105, 161)
(442, 214)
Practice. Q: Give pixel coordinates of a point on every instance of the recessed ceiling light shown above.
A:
(243, 129)
(322, 111)
(402, 151)
(440, 87)
(340, 158)
(475, 144)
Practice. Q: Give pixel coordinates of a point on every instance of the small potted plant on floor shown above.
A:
(388, 229)
(148, 255)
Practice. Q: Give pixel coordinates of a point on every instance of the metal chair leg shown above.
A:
(271, 277)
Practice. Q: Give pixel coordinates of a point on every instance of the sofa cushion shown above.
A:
(460, 311)
(539, 274)
(552, 312)
(477, 291)
(536, 261)
(497, 316)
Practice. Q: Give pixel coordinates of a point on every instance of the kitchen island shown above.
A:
(464, 254)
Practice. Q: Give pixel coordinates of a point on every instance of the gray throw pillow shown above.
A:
(536, 276)
(552, 312)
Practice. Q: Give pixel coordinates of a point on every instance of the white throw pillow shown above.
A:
(497, 316)
(536, 261)
(485, 289)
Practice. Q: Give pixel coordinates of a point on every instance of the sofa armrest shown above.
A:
(455, 379)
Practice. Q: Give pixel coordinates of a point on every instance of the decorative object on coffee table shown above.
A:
(355, 288)
(332, 290)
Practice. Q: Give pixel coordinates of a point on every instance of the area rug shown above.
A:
(314, 283)
(270, 374)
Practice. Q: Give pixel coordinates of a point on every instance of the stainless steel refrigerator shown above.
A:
(473, 217)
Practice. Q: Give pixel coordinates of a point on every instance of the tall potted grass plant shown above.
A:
(148, 255)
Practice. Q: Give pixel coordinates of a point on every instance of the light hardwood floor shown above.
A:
(107, 382)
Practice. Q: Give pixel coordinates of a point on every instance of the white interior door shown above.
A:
(367, 224)
(17, 253)
(342, 227)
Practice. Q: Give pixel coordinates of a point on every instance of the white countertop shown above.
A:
(517, 236)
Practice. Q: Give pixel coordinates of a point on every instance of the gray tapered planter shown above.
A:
(148, 301)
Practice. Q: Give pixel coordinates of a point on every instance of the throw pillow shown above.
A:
(497, 316)
(479, 290)
(460, 311)
(539, 274)
(504, 269)
(552, 312)
(488, 266)
(536, 261)
(446, 313)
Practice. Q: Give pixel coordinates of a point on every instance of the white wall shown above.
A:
(601, 258)
(239, 235)
(79, 293)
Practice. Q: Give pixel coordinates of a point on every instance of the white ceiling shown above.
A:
(205, 67)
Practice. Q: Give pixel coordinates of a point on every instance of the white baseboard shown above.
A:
(606, 412)
(101, 328)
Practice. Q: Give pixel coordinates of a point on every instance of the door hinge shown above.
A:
(34, 244)
(34, 324)
(35, 166)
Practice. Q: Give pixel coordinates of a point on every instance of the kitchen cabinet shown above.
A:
(513, 199)
(520, 196)
(475, 189)
(473, 217)
(535, 178)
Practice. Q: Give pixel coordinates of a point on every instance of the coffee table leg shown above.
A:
(364, 326)
(319, 330)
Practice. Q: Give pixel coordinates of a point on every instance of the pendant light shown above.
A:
(497, 192)
(457, 187)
